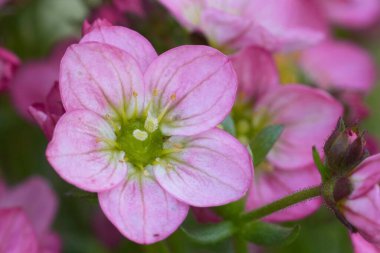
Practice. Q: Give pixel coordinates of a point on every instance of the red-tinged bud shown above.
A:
(344, 149)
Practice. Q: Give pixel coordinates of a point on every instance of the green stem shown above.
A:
(240, 245)
(282, 204)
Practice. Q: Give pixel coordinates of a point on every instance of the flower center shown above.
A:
(248, 122)
(141, 141)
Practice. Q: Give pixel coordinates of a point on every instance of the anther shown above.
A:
(140, 135)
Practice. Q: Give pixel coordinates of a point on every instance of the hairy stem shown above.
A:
(282, 204)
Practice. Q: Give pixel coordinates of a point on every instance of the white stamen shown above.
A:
(151, 124)
(140, 135)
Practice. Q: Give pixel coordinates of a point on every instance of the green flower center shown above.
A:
(141, 141)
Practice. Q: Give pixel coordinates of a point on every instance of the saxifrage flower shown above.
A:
(140, 130)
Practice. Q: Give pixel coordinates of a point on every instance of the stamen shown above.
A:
(173, 97)
(140, 135)
(151, 124)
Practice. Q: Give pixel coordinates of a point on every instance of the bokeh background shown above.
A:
(32, 29)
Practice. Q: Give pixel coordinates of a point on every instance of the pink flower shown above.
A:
(339, 65)
(35, 79)
(139, 130)
(8, 65)
(16, 232)
(48, 113)
(26, 214)
(280, 25)
(352, 13)
(256, 71)
(308, 117)
(362, 246)
(362, 207)
(132, 6)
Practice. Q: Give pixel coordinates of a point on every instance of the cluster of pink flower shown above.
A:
(141, 129)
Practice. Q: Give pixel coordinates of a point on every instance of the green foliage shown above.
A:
(264, 141)
(268, 234)
(229, 125)
(211, 233)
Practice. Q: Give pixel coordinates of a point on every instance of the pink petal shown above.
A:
(51, 243)
(43, 119)
(187, 12)
(270, 186)
(8, 65)
(340, 65)
(352, 13)
(363, 246)
(290, 24)
(308, 115)
(143, 211)
(81, 154)
(101, 78)
(37, 200)
(256, 71)
(90, 26)
(16, 233)
(363, 213)
(366, 175)
(131, 6)
(196, 84)
(211, 169)
(125, 39)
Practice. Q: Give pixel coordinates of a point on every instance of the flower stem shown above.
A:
(281, 204)
(240, 245)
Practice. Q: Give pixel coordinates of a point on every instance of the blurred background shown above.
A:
(38, 31)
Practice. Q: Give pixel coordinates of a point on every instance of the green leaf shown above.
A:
(231, 210)
(264, 141)
(268, 234)
(211, 233)
(228, 125)
(319, 164)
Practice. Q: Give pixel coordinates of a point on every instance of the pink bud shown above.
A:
(8, 65)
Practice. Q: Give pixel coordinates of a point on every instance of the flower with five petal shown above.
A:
(140, 130)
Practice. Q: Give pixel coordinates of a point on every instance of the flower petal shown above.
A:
(125, 39)
(37, 200)
(142, 211)
(81, 154)
(194, 87)
(101, 78)
(363, 246)
(340, 65)
(352, 14)
(16, 233)
(366, 175)
(256, 72)
(363, 214)
(270, 186)
(211, 169)
(308, 116)
(187, 12)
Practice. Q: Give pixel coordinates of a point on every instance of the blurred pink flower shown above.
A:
(16, 232)
(256, 71)
(139, 129)
(88, 27)
(289, 166)
(27, 212)
(8, 65)
(339, 65)
(110, 13)
(362, 246)
(131, 6)
(35, 79)
(356, 109)
(362, 207)
(277, 25)
(352, 13)
(48, 113)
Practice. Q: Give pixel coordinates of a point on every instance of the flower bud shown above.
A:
(344, 149)
(355, 198)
